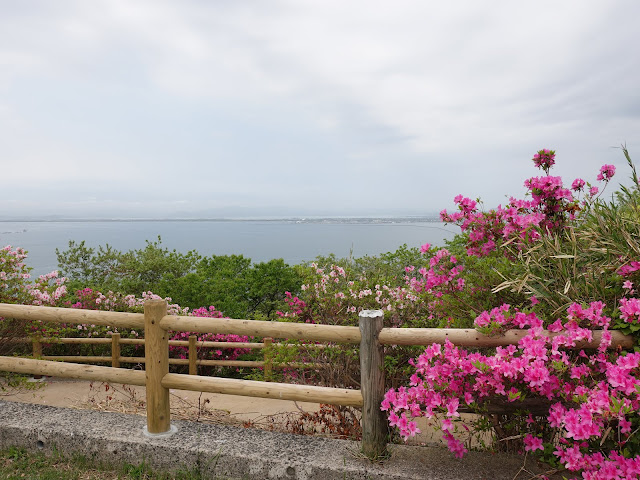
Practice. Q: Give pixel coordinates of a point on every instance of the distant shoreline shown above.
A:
(350, 220)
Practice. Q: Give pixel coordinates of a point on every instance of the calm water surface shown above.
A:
(258, 240)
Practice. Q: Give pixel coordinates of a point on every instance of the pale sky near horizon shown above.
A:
(281, 108)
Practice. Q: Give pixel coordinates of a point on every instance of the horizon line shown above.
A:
(298, 218)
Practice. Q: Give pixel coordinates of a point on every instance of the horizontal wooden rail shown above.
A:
(249, 345)
(65, 340)
(81, 359)
(388, 336)
(173, 343)
(142, 360)
(300, 331)
(466, 337)
(259, 328)
(133, 341)
(182, 361)
(72, 315)
(116, 359)
(72, 370)
(252, 388)
(241, 363)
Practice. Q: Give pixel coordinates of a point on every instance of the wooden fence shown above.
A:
(193, 345)
(156, 378)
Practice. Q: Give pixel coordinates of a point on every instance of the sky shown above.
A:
(193, 108)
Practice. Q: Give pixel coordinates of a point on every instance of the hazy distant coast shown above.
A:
(295, 239)
(326, 220)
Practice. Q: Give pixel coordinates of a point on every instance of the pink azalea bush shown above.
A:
(335, 295)
(15, 277)
(16, 287)
(586, 402)
(442, 275)
(210, 353)
(14, 274)
(90, 299)
(592, 398)
(47, 289)
(522, 221)
(442, 285)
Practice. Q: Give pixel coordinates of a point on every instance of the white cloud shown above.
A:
(279, 103)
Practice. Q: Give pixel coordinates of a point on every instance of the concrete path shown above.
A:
(185, 405)
(221, 447)
(227, 452)
(60, 392)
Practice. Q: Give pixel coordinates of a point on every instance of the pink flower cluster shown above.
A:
(578, 184)
(519, 223)
(591, 397)
(231, 353)
(487, 230)
(48, 289)
(14, 274)
(443, 272)
(628, 269)
(89, 299)
(296, 306)
(630, 310)
(335, 296)
(606, 173)
(544, 159)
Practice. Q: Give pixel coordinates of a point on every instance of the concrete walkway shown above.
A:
(185, 405)
(61, 392)
(225, 450)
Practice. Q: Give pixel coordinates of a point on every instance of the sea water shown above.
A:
(295, 241)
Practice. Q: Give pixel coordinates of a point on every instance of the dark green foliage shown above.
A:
(384, 268)
(132, 272)
(219, 280)
(231, 283)
(482, 275)
(389, 267)
(144, 269)
(267, 284)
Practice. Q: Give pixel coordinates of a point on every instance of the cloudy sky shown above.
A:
(279, 108)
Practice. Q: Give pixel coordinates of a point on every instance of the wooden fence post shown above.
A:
(115, 350)
(156, 354)
(37, 347)
(37, 353)
(193, 355)
(375, 431)
(267, 352)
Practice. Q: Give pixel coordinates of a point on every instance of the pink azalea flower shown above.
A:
(447, 425)
(578, 184)
(544, 159)
(531, 443)
(606, 173)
